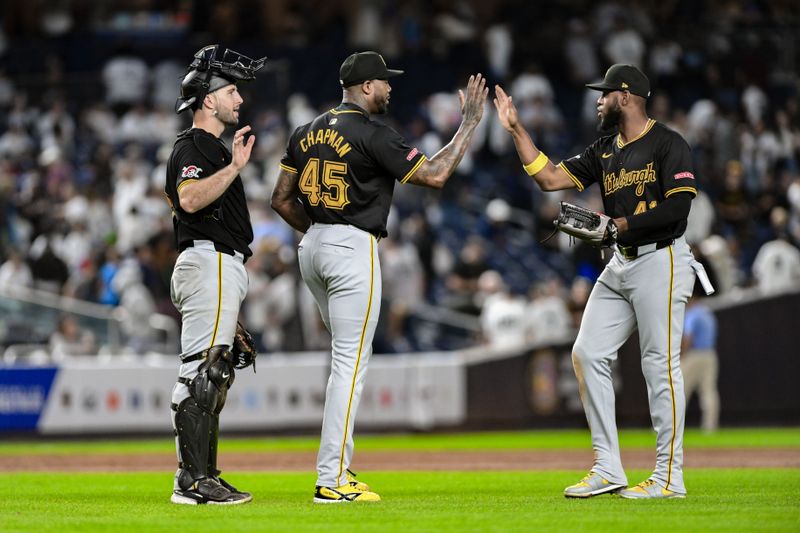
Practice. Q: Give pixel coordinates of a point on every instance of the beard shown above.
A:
(228, 117)
(610, 120)
(383, 107)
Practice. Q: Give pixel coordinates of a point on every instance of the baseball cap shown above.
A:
(624, 78)
(363, 66)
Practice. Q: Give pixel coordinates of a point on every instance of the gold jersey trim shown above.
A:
(335, 112)
(287, 168)
(577, 182)
(181, 184)
(647, 127)
(680, 189)
(413, 169)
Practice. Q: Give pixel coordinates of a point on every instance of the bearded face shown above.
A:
(609, 111)
(381, 96)
(610, 120)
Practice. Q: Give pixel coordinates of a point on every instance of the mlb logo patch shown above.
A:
(684, 176)
(411, 154)
(191, 172)
(333, 121)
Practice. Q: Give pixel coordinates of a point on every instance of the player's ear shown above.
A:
(367, 88)
(208, 102)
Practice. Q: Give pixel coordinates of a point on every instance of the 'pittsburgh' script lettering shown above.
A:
(613, 183)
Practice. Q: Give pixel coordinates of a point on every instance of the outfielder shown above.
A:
(343, 166)
(213, 233)
(647, 184)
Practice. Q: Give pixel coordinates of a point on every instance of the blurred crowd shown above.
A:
(86, 122)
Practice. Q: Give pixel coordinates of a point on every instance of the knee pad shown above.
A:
(215, 376)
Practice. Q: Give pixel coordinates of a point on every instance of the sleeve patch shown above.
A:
(191, 172)
(684, 175)
(411, 154)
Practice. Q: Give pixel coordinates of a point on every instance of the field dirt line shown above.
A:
(496, 460)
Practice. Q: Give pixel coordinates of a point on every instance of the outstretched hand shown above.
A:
(506, 111)
(241, 150)
(473, 103)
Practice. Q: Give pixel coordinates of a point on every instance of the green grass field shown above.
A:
(719, 500)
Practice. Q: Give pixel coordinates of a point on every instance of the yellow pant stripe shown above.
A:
(358, 358)
(219, 298)
(669, 365)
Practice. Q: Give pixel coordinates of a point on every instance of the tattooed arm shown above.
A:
(437, 170)
(285, 202)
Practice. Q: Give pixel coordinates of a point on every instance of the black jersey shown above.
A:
(197, 155)
(348, 165)
(637, 176)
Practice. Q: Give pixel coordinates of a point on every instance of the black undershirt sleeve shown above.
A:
(675, 208)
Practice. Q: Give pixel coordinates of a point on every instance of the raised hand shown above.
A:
(241, 149)
(473, 103)
(506, 111)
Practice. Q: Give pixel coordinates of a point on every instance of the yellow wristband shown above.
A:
(537, 164)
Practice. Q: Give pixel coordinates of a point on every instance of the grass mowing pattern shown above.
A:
(719, 500)
(520, 440)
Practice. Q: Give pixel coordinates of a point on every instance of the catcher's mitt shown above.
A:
(244, 348)
(595, 228)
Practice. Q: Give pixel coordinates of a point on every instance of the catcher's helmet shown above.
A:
(207, 73)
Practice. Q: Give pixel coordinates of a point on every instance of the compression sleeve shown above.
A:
(674, 209)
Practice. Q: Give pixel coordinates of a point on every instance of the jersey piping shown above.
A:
(680, 189)
(577, 182)
(647, 128)
(413, 169)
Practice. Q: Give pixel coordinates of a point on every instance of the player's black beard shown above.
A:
(383, 107)
(610, 121)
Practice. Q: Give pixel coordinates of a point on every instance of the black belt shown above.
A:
(632, 252)
(218, 246)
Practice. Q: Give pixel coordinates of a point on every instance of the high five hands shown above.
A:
(473, 103)
(506, 111)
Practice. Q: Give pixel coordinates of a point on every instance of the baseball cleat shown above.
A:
(344, 494)
(246, 495)
(647, 490)
(353, 482)
(593, 484)
(208, 491)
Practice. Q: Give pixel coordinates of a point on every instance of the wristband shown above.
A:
(537, 164)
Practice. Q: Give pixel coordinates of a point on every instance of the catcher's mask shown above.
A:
(208, 73)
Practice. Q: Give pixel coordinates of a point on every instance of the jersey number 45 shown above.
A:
(333, 173)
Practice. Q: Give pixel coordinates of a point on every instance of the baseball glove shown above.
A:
(244, 348)
(595, 228)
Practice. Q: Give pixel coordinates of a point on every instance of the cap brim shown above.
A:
(390, 73)
(601, 87)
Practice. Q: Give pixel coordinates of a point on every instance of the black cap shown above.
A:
(363, 66)
(624, 78)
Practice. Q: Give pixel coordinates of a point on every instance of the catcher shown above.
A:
(209, 282)
(644, 171)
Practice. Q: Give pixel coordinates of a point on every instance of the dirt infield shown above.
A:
(402, 460)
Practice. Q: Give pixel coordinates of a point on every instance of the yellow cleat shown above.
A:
(593, 484)
(344, 494)
(353, 482)
(649, 489)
